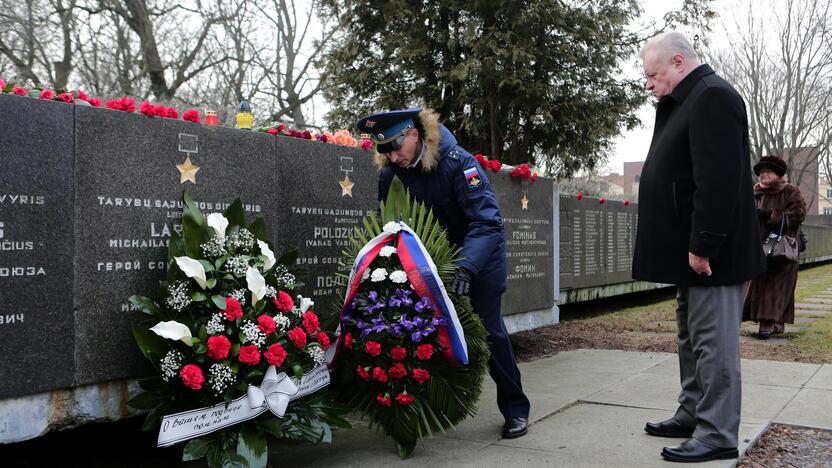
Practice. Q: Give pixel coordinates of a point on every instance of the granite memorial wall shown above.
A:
(90, 197)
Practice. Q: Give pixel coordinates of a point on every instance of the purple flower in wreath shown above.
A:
(365, 331)
(423, 305)
(401, 299)
(373, 296)
(437, 321)
(405, 323)
(423, 329)
(380, 325)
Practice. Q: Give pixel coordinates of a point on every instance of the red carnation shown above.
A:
(2, 85)
(306, 135)
(82, 95)
(362, 372)
(160, 111)
(67, 98)
(272, 131)
(404, 399)
(626, 202)
(146, 108)
(366, 144)
(580, 196)
(398, 353)
(275, 355)
(114, 104)
(47, 94)
(233, 311)
(348, 340)
(280, 127)
(372, 348)
(192, 376)
(298, 337)
(383, 400)
(284, 302)
(266, 324)
(191, 115)
(218, 347)
(311, 322)
(128, 104)
(20, 91)
(249, 355)
(424, 352)
(171, 113)
(496, 165)
(480, 159)
(95, 102)
(421, 375)
(602, 200)
(379, 374)
(398, 371)
(323, 339)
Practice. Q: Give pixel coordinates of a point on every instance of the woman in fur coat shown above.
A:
(770, 299)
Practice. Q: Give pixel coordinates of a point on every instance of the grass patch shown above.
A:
(816, 340)
(813, 281)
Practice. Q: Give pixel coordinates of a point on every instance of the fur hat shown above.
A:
(773, 163)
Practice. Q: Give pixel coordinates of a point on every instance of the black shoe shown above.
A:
(515, 427)
(669, 428)
(693, 451)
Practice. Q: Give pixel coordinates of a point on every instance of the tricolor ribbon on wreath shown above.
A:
(423, 276)
(273, 394)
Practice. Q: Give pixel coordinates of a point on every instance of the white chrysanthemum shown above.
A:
(216, 325)
(253, 334)
(392, 228)
(214, 247)
(316, 353)
(179, 297)
(398, 276)
(387, 251)
(379, 274)
(170, 364)
(240, 295)
(237, 264)
(220, 377)
(282, 322)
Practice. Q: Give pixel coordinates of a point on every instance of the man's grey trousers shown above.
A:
(709, 362)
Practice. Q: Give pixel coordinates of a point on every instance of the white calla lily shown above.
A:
(256, 284)
(218, 223)
(173, 330)
(267, 252)
(305, 303)
(193, 269)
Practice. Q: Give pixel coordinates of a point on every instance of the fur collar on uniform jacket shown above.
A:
(431, 138)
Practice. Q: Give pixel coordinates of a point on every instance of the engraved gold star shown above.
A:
(525, 202)
(346, 186)
(188, 171)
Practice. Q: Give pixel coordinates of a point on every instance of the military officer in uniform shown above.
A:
(414, 146)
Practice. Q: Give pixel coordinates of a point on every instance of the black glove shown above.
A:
(461, 284)
(764, 214)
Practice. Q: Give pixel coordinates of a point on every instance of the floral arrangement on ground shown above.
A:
(409, 358)
(224, 321)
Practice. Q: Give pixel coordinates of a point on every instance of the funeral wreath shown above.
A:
(237, 356)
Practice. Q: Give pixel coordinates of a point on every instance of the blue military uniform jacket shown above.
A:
(450, 181)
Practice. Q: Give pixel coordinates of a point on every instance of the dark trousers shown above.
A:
(709, 362)
(502, 366)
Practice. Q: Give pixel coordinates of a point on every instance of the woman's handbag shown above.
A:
(780, 248)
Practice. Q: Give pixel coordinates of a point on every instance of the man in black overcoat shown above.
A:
(697, 229)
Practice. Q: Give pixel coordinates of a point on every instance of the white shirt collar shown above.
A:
(421, 153)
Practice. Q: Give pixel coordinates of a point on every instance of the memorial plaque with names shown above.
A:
(130, 173)
(527, 215)
(324, 192)
(36, 246)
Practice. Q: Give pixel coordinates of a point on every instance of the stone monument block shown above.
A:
(324, 191)
(528, 218)
(130, 174)
(36, 246)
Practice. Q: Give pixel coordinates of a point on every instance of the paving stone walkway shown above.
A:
(588, 409)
